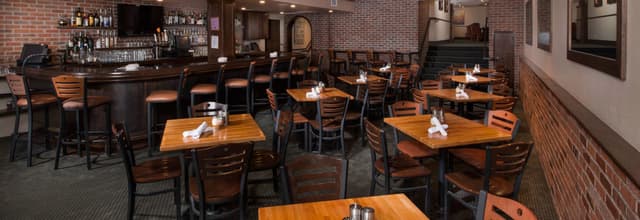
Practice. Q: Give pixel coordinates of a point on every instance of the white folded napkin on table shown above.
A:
(362, 79)
(438, 127)
(273, 54)
(132, 67)
(471, 78)
(462, 95)
(195, 134)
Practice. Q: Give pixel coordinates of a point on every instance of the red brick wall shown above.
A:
(508, 15)
(585, 183)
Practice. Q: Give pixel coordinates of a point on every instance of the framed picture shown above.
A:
(458, 17)
(612, 1)
(597, 3)
(446, 6)
(441, 5)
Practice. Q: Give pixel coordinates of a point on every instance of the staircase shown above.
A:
(442, 54)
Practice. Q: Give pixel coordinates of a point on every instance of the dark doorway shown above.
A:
(273, 43)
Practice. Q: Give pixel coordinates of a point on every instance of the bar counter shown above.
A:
(128, 89)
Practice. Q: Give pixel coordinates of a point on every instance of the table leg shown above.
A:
(442, 167)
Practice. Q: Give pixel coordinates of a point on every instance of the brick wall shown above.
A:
(35, 21)
(508, 15)
(585, 183)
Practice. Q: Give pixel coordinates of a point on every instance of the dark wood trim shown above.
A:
(601, 16)
(288, 32)
(621, 152)
(602, 42)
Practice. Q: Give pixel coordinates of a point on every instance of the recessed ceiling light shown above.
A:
(262, 1)
(292, 6)
(282, 12)
(330, 11)
(243, 8)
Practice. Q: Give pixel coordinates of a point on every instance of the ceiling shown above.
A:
(302, 6)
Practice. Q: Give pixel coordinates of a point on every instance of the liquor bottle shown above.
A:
(96, 18)
(78, 17)
(85, 19)
(91, 19)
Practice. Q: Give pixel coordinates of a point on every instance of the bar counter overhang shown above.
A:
(128, 89)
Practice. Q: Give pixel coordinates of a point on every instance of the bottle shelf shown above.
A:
(183, 25)
(84, 28)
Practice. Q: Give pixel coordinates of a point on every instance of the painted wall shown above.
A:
(614, 101)
(440, 30)
(472, 15)
(602, 28)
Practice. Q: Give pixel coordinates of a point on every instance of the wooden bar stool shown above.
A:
(241, 83)
(72, 97)
(162, 97)
(315, 69)
(372, 61)
(208, 88)
(23, 99)
(336, 63)
(354, 61)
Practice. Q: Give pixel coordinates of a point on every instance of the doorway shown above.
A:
(273, 43)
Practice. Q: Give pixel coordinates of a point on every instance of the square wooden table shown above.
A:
(474, 96)
(387, 207)
(300, 95)
(461, 132)
(241, 128)
(463, 79)
(353, 80)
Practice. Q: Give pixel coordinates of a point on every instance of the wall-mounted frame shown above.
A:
(544, 25)
(529, 23)
(447, 5)
(592, 40)
(440, 5)
(299, 32)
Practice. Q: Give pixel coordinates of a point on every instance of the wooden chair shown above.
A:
(300, 122)
(264, 159)
(220, 181)
(399, 84)
(372, 61)
(241, 83)
(502, 176)
(371, 100)
(492, 207)
(315, 69)
(336, 63)
(411, 148)
(397, 60)
(263, 80)
(354, 61)
(149, 171)
(206, 109)
(430, 85)
(500, 89)
(314, 177)
(505, 104)
(394, 167)
(307, 84)
(72, 96)
(24, 99)
(161, 97)
(209, 88)
(504, 121)
(415, 71)
(329, 123)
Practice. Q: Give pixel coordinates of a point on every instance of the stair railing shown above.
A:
(424, 44)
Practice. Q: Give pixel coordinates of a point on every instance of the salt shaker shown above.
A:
(368, 213)
(355, 211)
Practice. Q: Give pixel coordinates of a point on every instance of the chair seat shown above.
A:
(299, 118)
(297, 72)
(157, 170)
(237, 83)
(204, 89)
(162, 96)
(78, 103)
(472, 182)
(471, 156)
(403, 166)
(328, 126)
(37, 99)
(216, 189)
(281, 75)
(338, 60)
(352, 116)
(263, 160)
(262, 78)
(312, 69)
(415, 150)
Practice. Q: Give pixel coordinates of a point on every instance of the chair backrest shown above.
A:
(332, 53)
(220, 80)
(392, 56)
(500, 89)
(68, 86)
(506, 104)
(308, 83)
(376, 89)
(182, 81)
(503, 120)
(370, 56)
(416, 71)
(508, 160)
(405, 108)
(399, 79)
(126, 149)
(420, 97)
(492, 207)
(282, 126)
(320, 60)
(227, 161)
(273, 102)
(350, 55)
(331, 110)
(206, 109)
(250, 71)
(17, 85)
(377, 141)
(431, 84)
(315, 177)
(274, 66)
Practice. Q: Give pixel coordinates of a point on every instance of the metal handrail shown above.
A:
(424, 45)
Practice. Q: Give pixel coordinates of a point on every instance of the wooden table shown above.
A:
(463, 79)
(300, 95)
(450, 95)
(242, 128)
(353, 80)
(482, 70)
(377, 70)
(461, 132)
(387, 207)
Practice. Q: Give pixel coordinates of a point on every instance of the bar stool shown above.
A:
(315, 69)
(295, 74)
(334, 61)
(162, 97)
(396, 60)
(240, 83)
(23, 99)
(72, 96)
(261, 80)
(354, 61)
(208, 88)
(372, 61)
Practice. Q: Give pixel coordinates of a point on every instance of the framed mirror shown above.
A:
(596, 37)
(544, 25)
(529, 23)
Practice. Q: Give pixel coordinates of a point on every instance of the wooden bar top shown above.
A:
(474, 96)
(461, 131)
(241, 128)
(386, 207)
(149, 70)
(300, 95)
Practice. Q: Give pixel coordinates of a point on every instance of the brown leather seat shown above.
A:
(298, 118)
(263, 160)
(37, 99)
(262, 78)
(157, 170)
(416, 150)
(78, 103)
(216, 189)
(297, 72)
(281, 75)
(237, 83)
(352, 115)
(162, 96)
(204, 89)
(328, 126)
(403, 166)
(472, 182)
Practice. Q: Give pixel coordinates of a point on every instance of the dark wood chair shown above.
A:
(397, 59)
(336, 63)
(160, 97)
(300, 122)
(430, 84)
(495, 207)
(24, 100)
(371, 100)
(207, 109)
(72, 96)
(287, 75)
(241, 83)
(394, 167)
(399, 84)
(504, 121)
(329, 123)
(504, 168)
(409, 147)
(372, 61)
(354, 61)
(209, 88)
(315, 69)
(505, 104)
(220, 181)
(314, 177)
(148, 171)
(265, 79)
(307, 84)
(272, 159)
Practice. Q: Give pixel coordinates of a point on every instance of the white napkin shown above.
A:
(222, 59)
(273, 54)
(476, 68)
(362, 79)
(462, 95)
(385, 68)
(312, 95)
(195, 134)
(438, 127)
(132, 67)
(471, 78)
